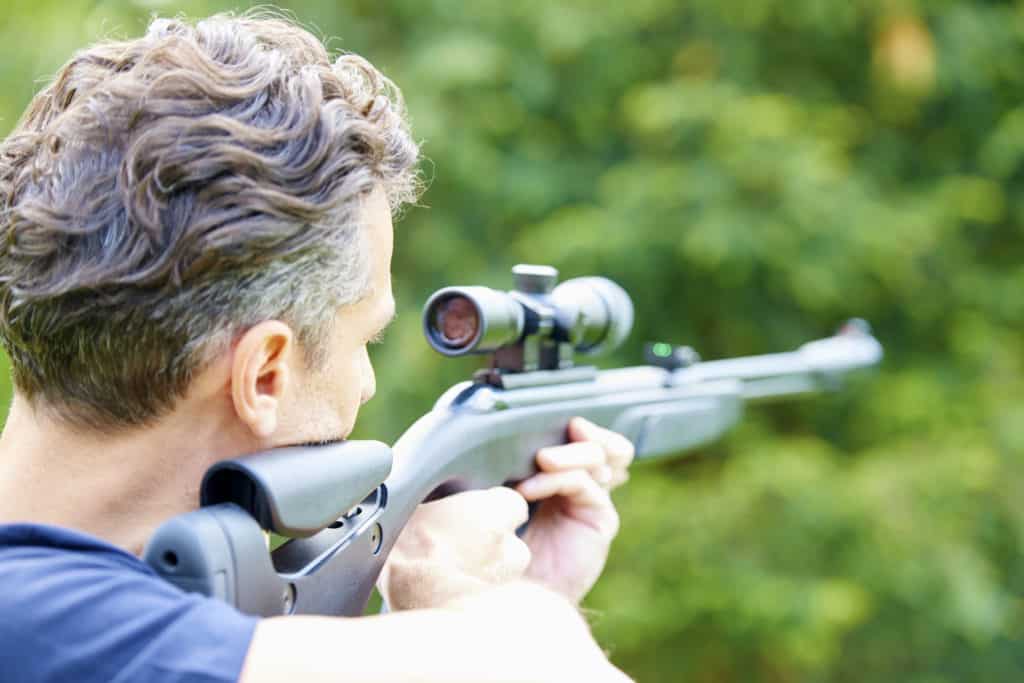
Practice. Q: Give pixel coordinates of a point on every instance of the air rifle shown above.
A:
(343, 505)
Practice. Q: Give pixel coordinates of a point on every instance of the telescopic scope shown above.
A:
(587, 314)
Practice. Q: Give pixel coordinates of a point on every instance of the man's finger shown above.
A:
(619, 449)
(516, 558)
(573, 456)
(576, 485)
(590, 503)
(508, 505)
(618, 478)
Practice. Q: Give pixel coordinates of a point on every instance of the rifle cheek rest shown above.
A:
(298, 491)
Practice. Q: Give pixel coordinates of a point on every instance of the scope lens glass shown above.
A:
(456, 321)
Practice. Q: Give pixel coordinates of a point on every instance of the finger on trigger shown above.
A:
(579, 455)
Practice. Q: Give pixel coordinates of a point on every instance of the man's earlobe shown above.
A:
(260, 373)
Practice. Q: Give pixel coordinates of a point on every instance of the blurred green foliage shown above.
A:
(753, 172)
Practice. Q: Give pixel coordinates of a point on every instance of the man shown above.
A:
(196, 251)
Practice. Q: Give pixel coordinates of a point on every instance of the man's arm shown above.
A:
(456, 573)
(517, 632)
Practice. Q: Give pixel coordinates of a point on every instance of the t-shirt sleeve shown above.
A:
(72, 616)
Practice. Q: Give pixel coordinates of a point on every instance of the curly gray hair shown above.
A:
(165, 193)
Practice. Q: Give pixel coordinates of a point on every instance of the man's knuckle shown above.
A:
(498, 492)
(587, 451)
(512, 501)
(579, 479)
(472, 497)
(519, 556)
(614, 522)
(595, 489)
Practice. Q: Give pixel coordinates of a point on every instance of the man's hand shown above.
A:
(464, 543)
(573, 527)
(455, 547)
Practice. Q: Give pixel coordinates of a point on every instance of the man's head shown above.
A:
(209, 191)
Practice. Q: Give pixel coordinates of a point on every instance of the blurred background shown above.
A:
(753, 172)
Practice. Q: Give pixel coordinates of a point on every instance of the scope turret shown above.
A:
(536, 325)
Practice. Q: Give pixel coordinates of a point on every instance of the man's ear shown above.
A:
(260, 372)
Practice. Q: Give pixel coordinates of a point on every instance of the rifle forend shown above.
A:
(480, 433)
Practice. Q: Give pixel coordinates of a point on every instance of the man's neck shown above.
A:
(118, 487)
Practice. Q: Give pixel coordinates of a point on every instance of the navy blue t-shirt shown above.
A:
(74, 608)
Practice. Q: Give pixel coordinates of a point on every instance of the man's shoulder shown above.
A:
(25, 545)
(77, 608)
(56, 568)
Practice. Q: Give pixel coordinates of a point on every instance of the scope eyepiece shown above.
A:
(536, 325)
(456, 321)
